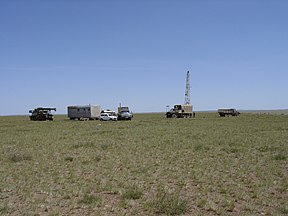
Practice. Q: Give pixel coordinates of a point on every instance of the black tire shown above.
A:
(174, 116)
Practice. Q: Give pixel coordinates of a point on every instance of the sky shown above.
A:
(56, 53)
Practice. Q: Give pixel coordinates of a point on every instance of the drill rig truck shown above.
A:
(180, 111)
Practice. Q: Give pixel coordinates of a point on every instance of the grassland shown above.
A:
(148, 166)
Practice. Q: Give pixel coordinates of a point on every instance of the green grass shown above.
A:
(19, 157)
(4, 208)
(132, 192)
(89, 199)
(169, 204)
(150, 165)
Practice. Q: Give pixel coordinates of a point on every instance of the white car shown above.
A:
(107, 117)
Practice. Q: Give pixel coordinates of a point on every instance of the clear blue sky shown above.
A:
(75, 52)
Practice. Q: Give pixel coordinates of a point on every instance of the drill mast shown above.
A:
(187, 91)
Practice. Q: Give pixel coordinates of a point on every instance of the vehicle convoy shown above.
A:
(180, 111)
(107, 117)
(228, 112)
(41, 114)
(88, 112)
(124, 113)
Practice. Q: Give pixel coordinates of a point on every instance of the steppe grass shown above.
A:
(132, 192)
(168, 204)
(148, 166)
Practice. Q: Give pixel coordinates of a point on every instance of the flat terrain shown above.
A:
(150, 165)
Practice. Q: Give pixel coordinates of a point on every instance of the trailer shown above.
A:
(88, 112)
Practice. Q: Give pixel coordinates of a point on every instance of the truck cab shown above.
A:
(124, 113)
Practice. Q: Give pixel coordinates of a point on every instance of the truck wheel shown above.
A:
(174, 116)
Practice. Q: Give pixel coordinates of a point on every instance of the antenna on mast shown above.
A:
(187, 90)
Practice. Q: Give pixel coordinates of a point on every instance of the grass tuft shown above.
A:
(132, 193)
(83, 145)
(280, 157)
(229, 205)
(69, 158)
(104, 146)
(169, 204)
(19, 157)
(284, 210)
(4, 208)
(97, 158)
(89, 199)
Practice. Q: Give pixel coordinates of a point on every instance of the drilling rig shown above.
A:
(185, 110)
